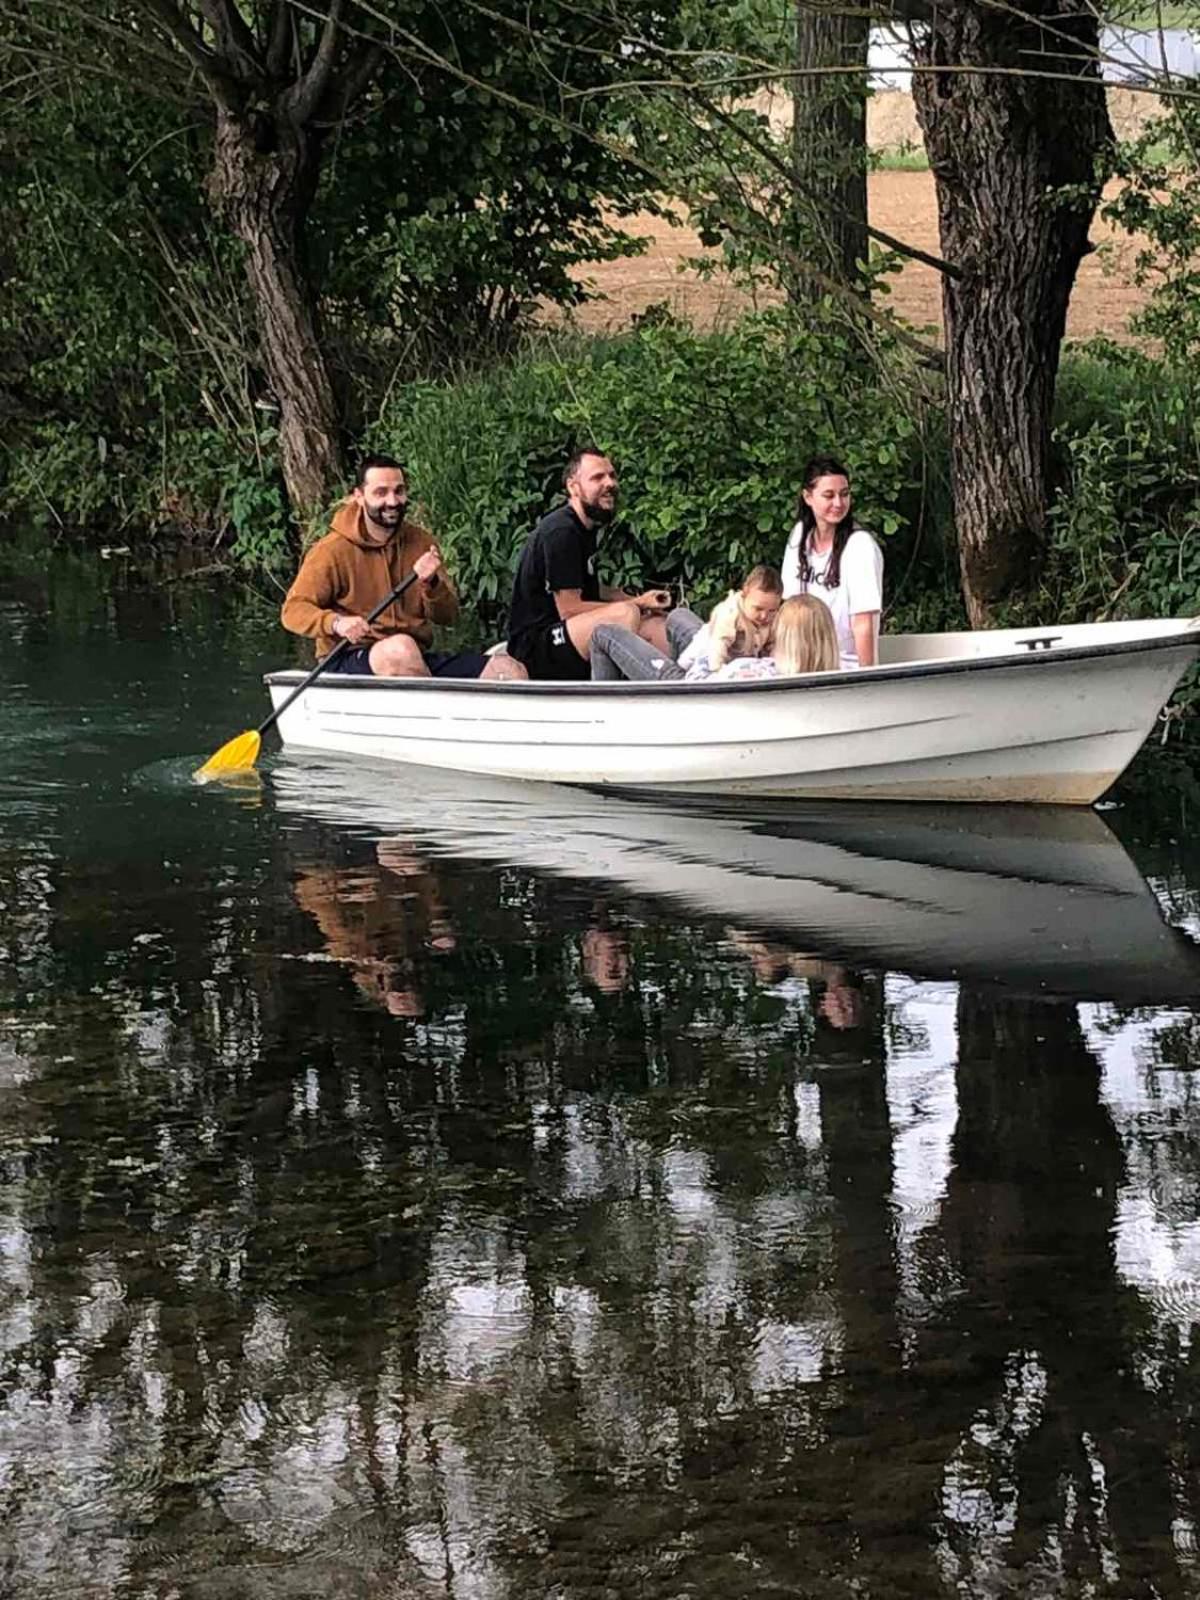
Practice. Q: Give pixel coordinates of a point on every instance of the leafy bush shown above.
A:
(709, 432)
(1123, 532)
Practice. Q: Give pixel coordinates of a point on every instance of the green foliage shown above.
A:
(455, 212)
(126, 360)
(1125, 530)
(1159, 201)
(445, 214)
(709, 432)
(484, 454)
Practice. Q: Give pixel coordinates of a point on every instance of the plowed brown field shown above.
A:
(902, 204)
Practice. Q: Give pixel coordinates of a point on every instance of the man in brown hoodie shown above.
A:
(369, 549)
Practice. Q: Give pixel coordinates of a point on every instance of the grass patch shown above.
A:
(1151, 17)
(900, 158)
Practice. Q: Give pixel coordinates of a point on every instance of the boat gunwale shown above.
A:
(1187, 635)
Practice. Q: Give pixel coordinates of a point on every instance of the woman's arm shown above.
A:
(864, 625)
(862, 583)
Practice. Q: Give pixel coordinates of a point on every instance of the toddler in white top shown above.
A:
(740, 626)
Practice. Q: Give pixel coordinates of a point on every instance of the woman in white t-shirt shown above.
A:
(828, 555)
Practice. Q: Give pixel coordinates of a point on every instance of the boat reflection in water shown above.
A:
(1042, 901)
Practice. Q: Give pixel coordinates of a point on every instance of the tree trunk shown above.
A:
(829, 141)
(262, 181)
(1017, 163)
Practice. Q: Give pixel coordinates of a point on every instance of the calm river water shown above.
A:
(429, 1189)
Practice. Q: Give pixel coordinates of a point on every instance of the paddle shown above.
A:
(240, 754)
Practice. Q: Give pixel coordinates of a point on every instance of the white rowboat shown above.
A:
(1032, 715)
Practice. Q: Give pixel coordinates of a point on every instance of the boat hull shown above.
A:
(1053, 725)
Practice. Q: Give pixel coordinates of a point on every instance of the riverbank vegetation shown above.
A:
(707, 425)
(239, 242)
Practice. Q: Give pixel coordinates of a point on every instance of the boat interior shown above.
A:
(899, 649)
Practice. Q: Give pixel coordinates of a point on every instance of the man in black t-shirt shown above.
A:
(557, 600)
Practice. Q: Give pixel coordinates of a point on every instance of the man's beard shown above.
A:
(394, 514)
(597, 511)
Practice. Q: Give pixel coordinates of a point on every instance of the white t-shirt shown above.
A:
(860, 589)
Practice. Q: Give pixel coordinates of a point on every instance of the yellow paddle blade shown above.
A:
(239, 755)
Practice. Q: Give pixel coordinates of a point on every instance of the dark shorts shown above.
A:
(356, 662)
(547, 653)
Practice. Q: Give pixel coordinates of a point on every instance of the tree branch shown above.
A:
(218, 81)
(353, 79)
(236, 44)
(126, 39)
(278, 39)
(929, 354)
(692, 90)
(303, 99)
(92, 69)
(781, 167)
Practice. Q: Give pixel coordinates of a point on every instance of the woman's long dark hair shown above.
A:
(822, 467)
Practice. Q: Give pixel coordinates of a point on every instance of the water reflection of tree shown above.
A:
(250, 1176)
(1065, 1462)
(28, 879)
(560, 1286)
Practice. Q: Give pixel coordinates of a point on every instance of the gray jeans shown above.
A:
(619, 654)
(682, 627)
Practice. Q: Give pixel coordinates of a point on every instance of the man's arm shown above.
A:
(570, 602)
(308, 606)
(438, 596)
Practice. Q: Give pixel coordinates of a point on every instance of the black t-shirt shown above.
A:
(560, 553)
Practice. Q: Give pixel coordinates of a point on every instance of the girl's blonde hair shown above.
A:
(805, 640)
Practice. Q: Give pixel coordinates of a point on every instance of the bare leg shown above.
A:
(398, 657)
(621, 613)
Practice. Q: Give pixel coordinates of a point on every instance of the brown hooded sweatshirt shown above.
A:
(346, 574)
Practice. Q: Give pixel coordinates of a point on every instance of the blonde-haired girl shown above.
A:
(805, 641)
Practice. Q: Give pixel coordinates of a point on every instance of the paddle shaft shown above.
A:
(335, 654)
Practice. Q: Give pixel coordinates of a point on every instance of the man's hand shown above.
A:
(355, 629)
(654, 602)
(428, 564)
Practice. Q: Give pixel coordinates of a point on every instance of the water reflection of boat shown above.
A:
(1044, 900)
